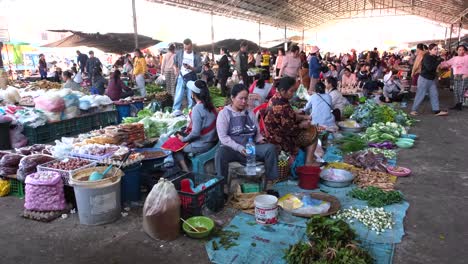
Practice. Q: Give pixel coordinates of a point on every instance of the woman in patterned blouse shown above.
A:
(287, 128)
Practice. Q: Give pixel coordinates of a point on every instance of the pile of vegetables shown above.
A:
(388, 153)
(330, 241)
(351, 143)
(380, 132)
(376, 219)
(152, 88)
(348, 110)
(370, 112)
(216, 97)
(367, 160)
(382, 180)
(376, 197)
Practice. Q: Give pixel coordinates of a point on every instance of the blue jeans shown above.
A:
(43, 74)
(181, 89)
(425, 85)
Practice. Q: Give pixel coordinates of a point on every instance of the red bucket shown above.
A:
(309, 177)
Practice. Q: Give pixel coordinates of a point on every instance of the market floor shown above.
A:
(436, 227)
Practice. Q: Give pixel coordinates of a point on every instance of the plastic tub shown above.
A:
(309, 177)
(130, 184)
(98, 202)
(266, 209)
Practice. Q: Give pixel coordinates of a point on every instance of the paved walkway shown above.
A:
(436, 224)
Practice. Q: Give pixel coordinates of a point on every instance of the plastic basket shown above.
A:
(123, 111)
(104, 119)
(38, 135)
(92, 157)
(16, 188)
(211, 197)
(66, 175)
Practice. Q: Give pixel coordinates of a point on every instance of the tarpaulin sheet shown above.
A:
(270, 242)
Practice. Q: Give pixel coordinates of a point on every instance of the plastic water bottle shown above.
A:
(250, 169)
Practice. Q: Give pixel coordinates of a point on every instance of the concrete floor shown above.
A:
(436, 227)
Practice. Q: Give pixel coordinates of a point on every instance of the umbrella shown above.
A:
(119, 43)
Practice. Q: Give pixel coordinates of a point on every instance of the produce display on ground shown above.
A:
(376, 197)
(330, 241)
(376, 219)
(370, 112)
(380, 132)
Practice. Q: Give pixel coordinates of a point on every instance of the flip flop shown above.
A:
(442, 113)
(414, 113)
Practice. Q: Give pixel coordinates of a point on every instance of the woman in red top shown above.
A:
(117, 89)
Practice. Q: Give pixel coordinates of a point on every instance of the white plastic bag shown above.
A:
(78, 78)
(302, 93)
(162, 197)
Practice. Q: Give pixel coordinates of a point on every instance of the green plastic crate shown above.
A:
(16, 188)
(104, 119)
(38, 135)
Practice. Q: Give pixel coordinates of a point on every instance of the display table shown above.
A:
(70, 127)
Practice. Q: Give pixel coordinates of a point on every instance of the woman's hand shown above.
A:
(387, 100)
(320, 128)
(244, 152)
(263, 141)
(179, 136)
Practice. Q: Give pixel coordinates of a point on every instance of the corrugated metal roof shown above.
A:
(306, 14)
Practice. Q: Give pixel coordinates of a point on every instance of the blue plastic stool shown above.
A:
(199, 161)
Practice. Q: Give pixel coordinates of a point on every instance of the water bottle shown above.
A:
(250, 168)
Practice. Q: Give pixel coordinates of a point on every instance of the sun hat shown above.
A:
(314, 49)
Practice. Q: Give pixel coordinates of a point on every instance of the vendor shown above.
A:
(285, 127)
(392, 88)
(263, 87)
(320, 107)
(235, 125)
(117, 89)
(69, 83)
(99, 82)
(338, 101)
(202, 127)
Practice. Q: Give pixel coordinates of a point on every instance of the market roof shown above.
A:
(119, 43)
(230, 44)
(306, 14)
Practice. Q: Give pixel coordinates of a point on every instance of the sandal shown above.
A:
(414, 113)
(442, 113)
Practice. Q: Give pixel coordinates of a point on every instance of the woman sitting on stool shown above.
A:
(235, 125)
(201, 131)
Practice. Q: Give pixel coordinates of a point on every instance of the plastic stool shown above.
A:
(199, 161)
(260, 178)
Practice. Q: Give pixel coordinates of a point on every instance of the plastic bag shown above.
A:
(4, 187)
(11, 160)
(161, 211)
(302, 93)
(31, 117)
(154, 106)
(61, 150)
(28, 164)
(84, 104)
(53, 116)
(50, 103)
(17, 138)
(71, 100)
(71, 112)
(11, 95)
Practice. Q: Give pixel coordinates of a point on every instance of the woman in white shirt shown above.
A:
(338, 101)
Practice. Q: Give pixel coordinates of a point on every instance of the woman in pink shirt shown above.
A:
(348, 79)
(279, 61)
(459, 66)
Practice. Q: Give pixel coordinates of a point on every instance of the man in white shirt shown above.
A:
(187, 64)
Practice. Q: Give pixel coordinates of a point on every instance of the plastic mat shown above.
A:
(266, 244)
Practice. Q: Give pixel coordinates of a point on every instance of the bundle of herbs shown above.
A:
(376, 197)
(330, 241)
(351, 143)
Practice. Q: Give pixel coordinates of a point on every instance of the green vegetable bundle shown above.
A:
(376, 197)
(370, 113)
(216, 97)
(381, 132)
(330, 241)
(351, 143)
(348, 111)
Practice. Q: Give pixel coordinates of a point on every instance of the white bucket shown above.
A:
(266, 209)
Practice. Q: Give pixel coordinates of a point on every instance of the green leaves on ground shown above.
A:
(376, 197)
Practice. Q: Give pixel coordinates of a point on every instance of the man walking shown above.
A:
(242, 63)
(81, 60)
(187, 64)
(92, 64)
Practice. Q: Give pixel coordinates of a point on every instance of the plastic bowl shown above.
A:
(404, 145)
(411, 136)
(345, 176)
(198, 221)
(409, 140)
(403, 173)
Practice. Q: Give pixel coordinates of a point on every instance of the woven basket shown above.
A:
(82, 176)
(283, 173)
(307, 137)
